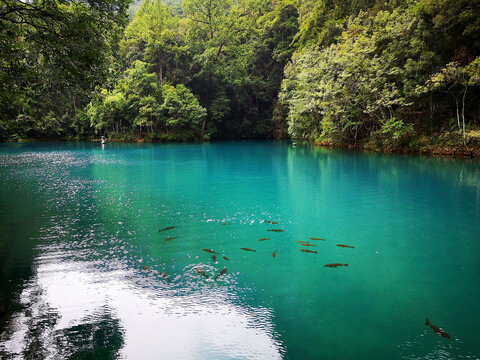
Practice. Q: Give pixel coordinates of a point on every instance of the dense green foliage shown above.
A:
(52, 55)
(327, 70)
(378, 70)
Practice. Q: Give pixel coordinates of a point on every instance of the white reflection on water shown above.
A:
(201, 325)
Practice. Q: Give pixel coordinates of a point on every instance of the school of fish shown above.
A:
(222, 272)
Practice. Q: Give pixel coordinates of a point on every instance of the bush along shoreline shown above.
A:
(448, 143)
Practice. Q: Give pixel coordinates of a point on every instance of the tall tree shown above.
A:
(49, 47)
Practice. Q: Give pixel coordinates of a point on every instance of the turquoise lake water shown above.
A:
(86, 274)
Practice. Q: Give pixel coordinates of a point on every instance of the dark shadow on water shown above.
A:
(97, 337)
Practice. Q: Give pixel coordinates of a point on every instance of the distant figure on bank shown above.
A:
(103, 140)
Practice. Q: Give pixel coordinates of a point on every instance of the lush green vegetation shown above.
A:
(382, 74)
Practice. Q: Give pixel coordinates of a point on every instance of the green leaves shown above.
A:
(181, 108)
(52, 55)
(348, 88)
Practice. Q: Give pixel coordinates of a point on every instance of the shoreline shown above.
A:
(447, 151)
(471, 151)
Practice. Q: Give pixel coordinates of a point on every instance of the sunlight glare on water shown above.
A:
(103, 255)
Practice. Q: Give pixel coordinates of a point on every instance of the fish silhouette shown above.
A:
(274, 253)
(335, 265)
(308, 251)
(247, 249)
(307, 244)
(226, 258)
(344, 246)
(271, 222)
(317, 239)
(225, 224)
(263, 239)
(214, 257)
(223, 271)
(167, 228)
(436, 329)
(170, 238)
(275, 230)
(210, 251)
(200, 271)
(165, 276)
(144, 267)
(302, 242)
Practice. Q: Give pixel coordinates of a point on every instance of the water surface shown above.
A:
(85, 273)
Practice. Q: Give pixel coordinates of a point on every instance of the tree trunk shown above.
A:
(463, 113)
(458, 113)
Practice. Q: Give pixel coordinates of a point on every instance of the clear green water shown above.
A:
(77, 222)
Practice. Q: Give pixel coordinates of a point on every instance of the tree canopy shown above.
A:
(330, 70)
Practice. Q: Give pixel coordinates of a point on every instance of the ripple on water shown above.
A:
(69, 301)
(101, 273)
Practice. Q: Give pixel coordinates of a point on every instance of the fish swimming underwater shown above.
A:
(307, 244)
(274, 253)
(275, 230)
(345, 246)
(226, 258)
(225, 224)
(144, 267)
(316, 239)
(247, 249)
(165, 276)
(200, 271)
(302, 242)
(210, 251)
(170, 238)
(263, 239)
(214, 258)
(167, 228)
(335, 265)
(436, 329)
(308, 251)
(270, 222)
(223, 271)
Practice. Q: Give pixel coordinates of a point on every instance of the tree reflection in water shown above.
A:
(96, 336)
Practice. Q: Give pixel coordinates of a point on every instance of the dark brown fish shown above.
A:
(270, 222)
(226, 258)
(274, 253)
(335, 265)
(225, 224)
(247, 249)
(167, 228)
(317, 239)
(307, 244)
(309, 251)
(144, 267)
(170, 238)
(345, 246)
(223, 271)
(263, 239)
(214, 257)
(275, 230)
(200, 271)
(302, 242)
(436, 329)
(210, 251)
(165, 276)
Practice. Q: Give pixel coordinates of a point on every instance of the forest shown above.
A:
(376, 74)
